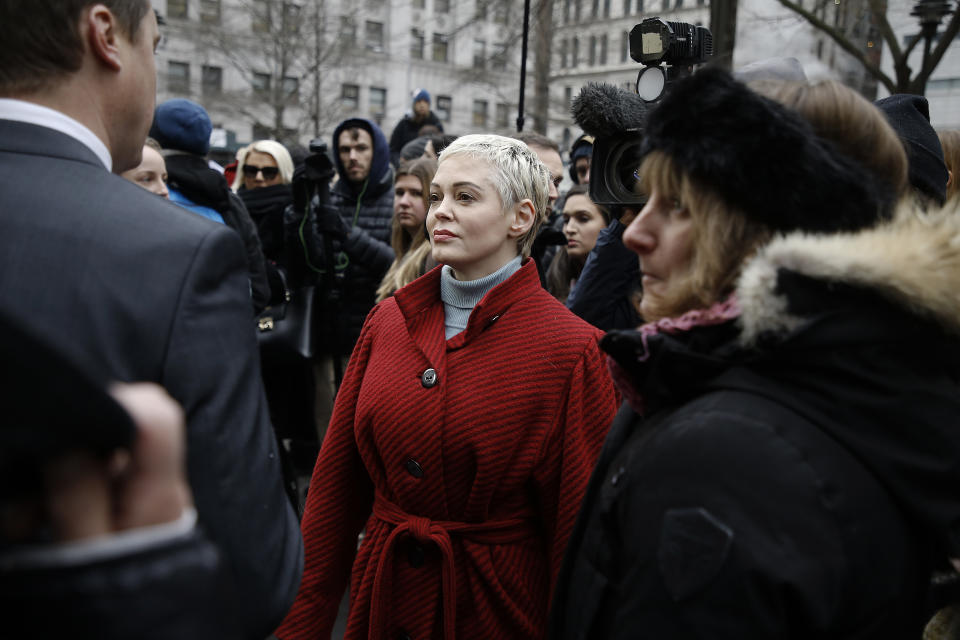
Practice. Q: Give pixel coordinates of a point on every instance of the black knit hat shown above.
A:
(909, 116)
(762, 157)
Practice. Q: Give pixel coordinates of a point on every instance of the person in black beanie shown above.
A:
(182, 128)
(909, 115)
(786, 462)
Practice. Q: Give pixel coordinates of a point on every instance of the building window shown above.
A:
(501, 12)
(563, 53)
(291, 88)
(480, 113)
(624, 47)
(503, 115)
(177, 9)
(603, 49)
(626, 7)
(639, 6)
(499, 61)
(595, 8)
(479, 54)
(566, 11)
(350, 96)
(575, 55)
(260, 16)
(567, 96)
(211, 79)
(209, 11)
(444, 108)
(592, 54)
(378, 103)
(261, 84)
(374, 35)
(576, 11)
(606, 8)
(416, 44)
(348, 32)
(439, 47)
(178, 77)
(480, 12)
(441, 6)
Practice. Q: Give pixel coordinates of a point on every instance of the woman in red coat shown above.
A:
(464, 432)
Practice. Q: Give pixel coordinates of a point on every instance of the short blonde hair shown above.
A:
(271, 147)
(723, 238)
(517, 175)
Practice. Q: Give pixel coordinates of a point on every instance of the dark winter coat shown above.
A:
(795, 473)
(191, 176)
(266, 206)
(464, 460)
(611, 274)
(361, 260)
(408, 129)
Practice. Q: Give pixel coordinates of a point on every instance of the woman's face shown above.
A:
(467, 225)
(151, 173)
(408, 204)
(582, 222)
(260, 170)
(661, 235)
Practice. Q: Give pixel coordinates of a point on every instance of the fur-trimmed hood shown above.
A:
(859, 333)
(912, 261)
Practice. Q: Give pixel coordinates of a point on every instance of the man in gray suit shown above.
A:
(132, 287)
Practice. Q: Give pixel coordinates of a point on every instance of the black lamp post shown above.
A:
(929, 13)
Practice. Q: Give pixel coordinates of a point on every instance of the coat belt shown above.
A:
(438, 532)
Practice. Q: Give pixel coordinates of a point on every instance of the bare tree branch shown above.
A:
(837, 36)
(946, 38)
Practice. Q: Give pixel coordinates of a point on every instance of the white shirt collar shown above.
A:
(31, 113)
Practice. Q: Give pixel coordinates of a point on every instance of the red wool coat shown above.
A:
(465, 460)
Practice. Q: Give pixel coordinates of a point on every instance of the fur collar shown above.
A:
(912, 261)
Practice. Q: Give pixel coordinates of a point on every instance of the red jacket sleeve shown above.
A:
(572, 450)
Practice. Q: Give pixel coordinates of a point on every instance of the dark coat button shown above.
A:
(429, 378)
(414, 468)
(415, 555)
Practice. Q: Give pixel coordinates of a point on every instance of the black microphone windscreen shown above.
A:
(604, 110)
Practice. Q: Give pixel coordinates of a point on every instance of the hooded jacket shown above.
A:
(787, 463)
(362, 259)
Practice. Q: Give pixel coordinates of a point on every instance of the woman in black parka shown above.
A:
(787, 464)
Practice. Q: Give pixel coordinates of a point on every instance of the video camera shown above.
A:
(668, 50)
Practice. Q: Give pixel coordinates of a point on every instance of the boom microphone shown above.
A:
(607, 111)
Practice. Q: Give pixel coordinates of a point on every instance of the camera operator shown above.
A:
(346, 239)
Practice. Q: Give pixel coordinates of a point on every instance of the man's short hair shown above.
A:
(516, 172)
(40, 40)
(532, 139)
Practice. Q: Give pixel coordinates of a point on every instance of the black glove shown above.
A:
(330, 223)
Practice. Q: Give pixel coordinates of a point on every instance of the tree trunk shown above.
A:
(723, 25)
(541, 76)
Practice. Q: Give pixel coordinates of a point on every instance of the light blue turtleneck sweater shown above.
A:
(461, 296)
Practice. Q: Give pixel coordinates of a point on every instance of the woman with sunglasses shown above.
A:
(264, 173)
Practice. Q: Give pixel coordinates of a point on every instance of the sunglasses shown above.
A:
(269, 173)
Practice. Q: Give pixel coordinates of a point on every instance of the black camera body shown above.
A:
(615, 117)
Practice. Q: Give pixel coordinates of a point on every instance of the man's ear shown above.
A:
(523, 216)
(103, 36)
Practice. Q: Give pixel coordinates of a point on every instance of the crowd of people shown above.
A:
(727, 411)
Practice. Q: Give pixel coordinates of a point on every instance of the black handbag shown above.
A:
(285, 330)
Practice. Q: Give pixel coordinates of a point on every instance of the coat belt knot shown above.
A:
(438, 532)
